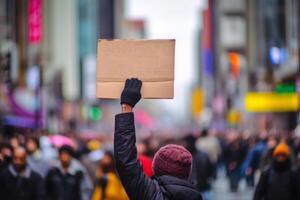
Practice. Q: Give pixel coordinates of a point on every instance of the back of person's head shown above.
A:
(173, 160)
(189, 143)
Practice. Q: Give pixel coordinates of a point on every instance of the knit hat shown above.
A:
(281, 148)
(173, 160)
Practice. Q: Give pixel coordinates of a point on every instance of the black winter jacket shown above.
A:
(61, 186)
(274, 185)
(203, 171)
(14, 187)
(137, 185)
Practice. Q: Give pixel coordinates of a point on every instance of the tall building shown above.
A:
(255, 48)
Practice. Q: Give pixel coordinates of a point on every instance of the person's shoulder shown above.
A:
(53, 170)
(35, 175)
(266, 171)
(4, 172)
(267, 168)
(294, 171)
(113, 179)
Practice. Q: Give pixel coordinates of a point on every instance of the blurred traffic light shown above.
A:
(234, 61)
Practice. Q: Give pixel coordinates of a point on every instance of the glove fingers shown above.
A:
(131, 83)
(135, 82)
(127, 83)
(139, 84)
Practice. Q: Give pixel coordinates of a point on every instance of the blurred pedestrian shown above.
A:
(108, 186)
(6, 152)
(210, 144)
(298, 174)
(145, 160)
(68, 179)
(279, 181)
(171, 164)
(202, 168)
(254, 157)
(267, 156)
(35, 159)
(18, 181)
(235, 154)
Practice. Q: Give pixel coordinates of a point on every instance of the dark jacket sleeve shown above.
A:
(136, 183)
(40, 188)
(261, 187)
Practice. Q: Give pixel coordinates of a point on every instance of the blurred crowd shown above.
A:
(59, 167)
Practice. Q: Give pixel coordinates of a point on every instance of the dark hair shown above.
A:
(66, 149)
(190, 141)
(109, 154)
(5, 145)
(35, 140)
(204, 133)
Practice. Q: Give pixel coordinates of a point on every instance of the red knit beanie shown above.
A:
(173, 160)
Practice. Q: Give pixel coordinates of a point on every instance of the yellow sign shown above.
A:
(233, 117)
(197, 102)
(271, 102)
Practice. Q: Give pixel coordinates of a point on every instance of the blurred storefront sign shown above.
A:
(23, 103)
(207, 41)
(233, 117)
(197, 102)
(35, 21)
(17, 121)
(271, 102)
(285, 88)
(95, 113)
(20, 108)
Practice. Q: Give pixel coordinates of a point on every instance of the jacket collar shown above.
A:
(25, 174)
(171, 180)
(175, 188)
(72, 169)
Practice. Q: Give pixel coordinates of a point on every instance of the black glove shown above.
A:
(132, 92)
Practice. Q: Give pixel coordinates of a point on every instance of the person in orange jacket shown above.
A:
(279, 180)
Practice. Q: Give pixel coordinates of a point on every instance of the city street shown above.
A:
(149, 99)
(221, 191)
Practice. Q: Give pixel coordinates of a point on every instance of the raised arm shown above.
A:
(135, 182)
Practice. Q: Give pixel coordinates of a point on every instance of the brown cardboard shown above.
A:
(151, 61)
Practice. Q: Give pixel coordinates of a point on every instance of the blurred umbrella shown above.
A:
(60, 140)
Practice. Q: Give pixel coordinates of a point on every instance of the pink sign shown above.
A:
(35, 21)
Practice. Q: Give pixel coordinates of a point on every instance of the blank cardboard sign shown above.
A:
(151, 61)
